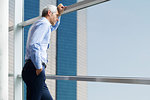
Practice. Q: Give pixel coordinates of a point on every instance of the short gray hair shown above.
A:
(52, 8)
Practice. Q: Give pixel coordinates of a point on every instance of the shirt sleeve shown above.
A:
(35, 44)
(53, 28)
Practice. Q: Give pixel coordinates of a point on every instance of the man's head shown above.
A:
(51, 13)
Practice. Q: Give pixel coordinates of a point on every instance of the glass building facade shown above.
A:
(67, 54)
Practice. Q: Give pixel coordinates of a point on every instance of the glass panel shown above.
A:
(118, 45)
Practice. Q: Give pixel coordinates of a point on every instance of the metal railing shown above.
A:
(108, 79)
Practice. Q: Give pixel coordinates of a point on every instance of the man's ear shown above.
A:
(49, 12)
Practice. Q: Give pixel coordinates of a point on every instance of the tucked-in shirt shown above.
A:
(38, 41)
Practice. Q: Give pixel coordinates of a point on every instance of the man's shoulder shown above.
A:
(40, 23)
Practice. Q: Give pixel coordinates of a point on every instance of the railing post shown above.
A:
(18, 50)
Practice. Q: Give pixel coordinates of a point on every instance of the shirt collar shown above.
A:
(46, 20)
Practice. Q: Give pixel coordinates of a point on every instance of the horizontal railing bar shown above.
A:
(82, 5)
(71, 8)
(126, 80)
(28, 22)
(108, 79)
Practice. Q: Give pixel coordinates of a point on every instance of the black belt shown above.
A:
(29, 60)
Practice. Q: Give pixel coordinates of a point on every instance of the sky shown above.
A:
(118, 34)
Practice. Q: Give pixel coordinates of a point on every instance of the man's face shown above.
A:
(53, 18)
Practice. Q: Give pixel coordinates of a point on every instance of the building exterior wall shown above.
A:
(81, 53)
(11, 50)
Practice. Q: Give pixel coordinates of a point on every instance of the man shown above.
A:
(33, 72)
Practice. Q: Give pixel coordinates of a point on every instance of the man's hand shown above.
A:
(61, 9)
(38, 71)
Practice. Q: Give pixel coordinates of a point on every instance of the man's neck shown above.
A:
(47, 18)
